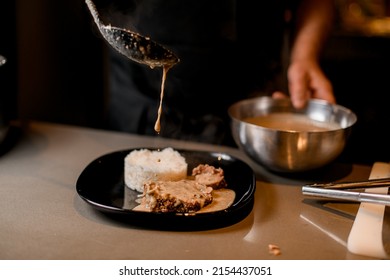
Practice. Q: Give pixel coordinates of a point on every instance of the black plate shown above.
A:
(101, 184)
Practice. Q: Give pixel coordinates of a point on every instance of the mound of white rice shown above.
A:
(146, 165)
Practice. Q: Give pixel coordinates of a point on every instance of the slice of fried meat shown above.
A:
(210, 176)
(176, 196)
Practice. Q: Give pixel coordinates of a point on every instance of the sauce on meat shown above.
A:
(186, 191)
(222, 199)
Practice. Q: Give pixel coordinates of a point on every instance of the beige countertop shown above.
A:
(43, 217)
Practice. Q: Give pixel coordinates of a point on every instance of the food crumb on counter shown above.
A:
(274, 250)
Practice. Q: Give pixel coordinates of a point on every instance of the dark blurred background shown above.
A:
(357, 60)
(59, 61)
(56, 69)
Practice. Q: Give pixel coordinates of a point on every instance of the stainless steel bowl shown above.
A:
(291, 150)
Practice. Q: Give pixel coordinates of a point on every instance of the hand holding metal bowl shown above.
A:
(298, 148)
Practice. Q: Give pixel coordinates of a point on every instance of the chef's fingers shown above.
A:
(322, 88)
(279, 95)
(298, 83)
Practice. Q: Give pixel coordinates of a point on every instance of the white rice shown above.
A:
(146, 165)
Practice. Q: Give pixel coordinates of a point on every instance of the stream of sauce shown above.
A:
(157, 125)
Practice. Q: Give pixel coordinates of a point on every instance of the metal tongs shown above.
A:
(343, 191)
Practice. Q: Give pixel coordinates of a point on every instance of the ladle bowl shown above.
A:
(133, 45)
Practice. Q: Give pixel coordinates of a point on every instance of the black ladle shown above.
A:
(133, 45)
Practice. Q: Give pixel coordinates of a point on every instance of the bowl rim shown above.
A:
(286, 101)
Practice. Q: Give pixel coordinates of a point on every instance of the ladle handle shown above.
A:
(94, 12)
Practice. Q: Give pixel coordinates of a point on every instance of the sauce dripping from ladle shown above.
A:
(138, 48)
(157, 126)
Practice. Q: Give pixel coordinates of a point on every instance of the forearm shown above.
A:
(314, 20)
